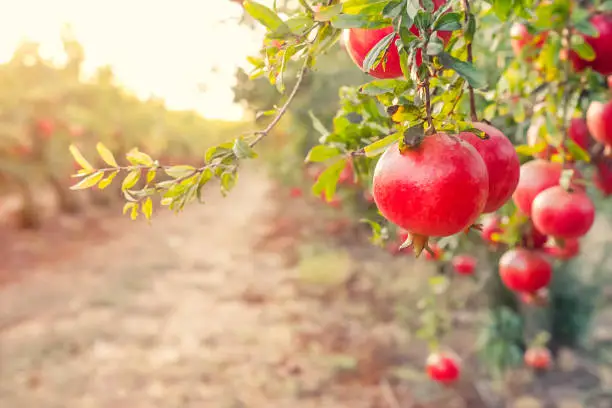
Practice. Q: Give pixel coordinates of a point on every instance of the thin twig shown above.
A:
(428, 104)
(566, 74)
(470, 58)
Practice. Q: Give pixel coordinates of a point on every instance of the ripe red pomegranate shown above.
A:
(599, 121)
(437, 188)
(464, 264)
(359, 42)
(347, 176)
(563, 214)
(578, 131)
(523, 270)
(491, 224)
(295, 192)
(502, 163)
(45, 128)
(569, 250)
(443, 367)
(532, 238)
(602, 45)
(536, 176)
(602, 178)
(538, 358)
(521, 38)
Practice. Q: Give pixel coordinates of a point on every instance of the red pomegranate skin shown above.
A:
(579, 133)
(464, 264)
(535, 177)
(524, 270)
(538, 358)
(359, 42)
(570, 249)
(442, 367)
(602, 45)
(563, 214)
(602, 178)
(599, 121)
(520, 38)
(502, 163)
(438, 188)
(491, 224)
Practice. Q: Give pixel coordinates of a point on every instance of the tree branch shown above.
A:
(470, 58)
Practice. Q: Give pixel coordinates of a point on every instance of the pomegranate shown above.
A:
(437, 188)
(45, 128)
(491, 224)
(502, 163)
(602, 45)
(464, 264)
(535, 177)
(538, 358)
(578, 131)
(603, 178)
(599, 121)
(569, 249)
(524, 270)
(443, 367)
(359, 42)
(521, 38)
(532, 238)
(563, 214)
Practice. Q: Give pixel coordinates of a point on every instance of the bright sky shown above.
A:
(161, 47)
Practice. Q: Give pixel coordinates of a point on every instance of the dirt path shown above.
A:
(157, 317)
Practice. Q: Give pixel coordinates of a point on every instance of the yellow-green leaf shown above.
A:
(180, 171)
(88, 181)
(108, 180)
(78, 157)
(136, 157)
(106, 155)
(131, 179)
(128, 207)
(134, 213)
(147, 208)
(151, 175)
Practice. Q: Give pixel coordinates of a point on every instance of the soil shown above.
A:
(241, 302)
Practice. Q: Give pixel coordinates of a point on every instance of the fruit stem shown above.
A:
(470, 58)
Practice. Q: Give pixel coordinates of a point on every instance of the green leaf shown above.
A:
(468, 71)
(378, 147)
(412, 8)
(242, 150)
(131, 179)
(88, 181)
(266, 17)
(318, 125)
(577, 152)
(326, 13)
(586, 27)
(321, 153)
(108, 180)
(606, 6)
(328, 180)
(382, 86)
(138, 158)
(228, 181)
(502, 8)
(448, 22)
(377, 53)
(147, 208)
(78, 157)
(106, 155)
(344, 21)
(434, 46)
(527, 150)
(394, 8)
(583, 49)
(183, 170)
